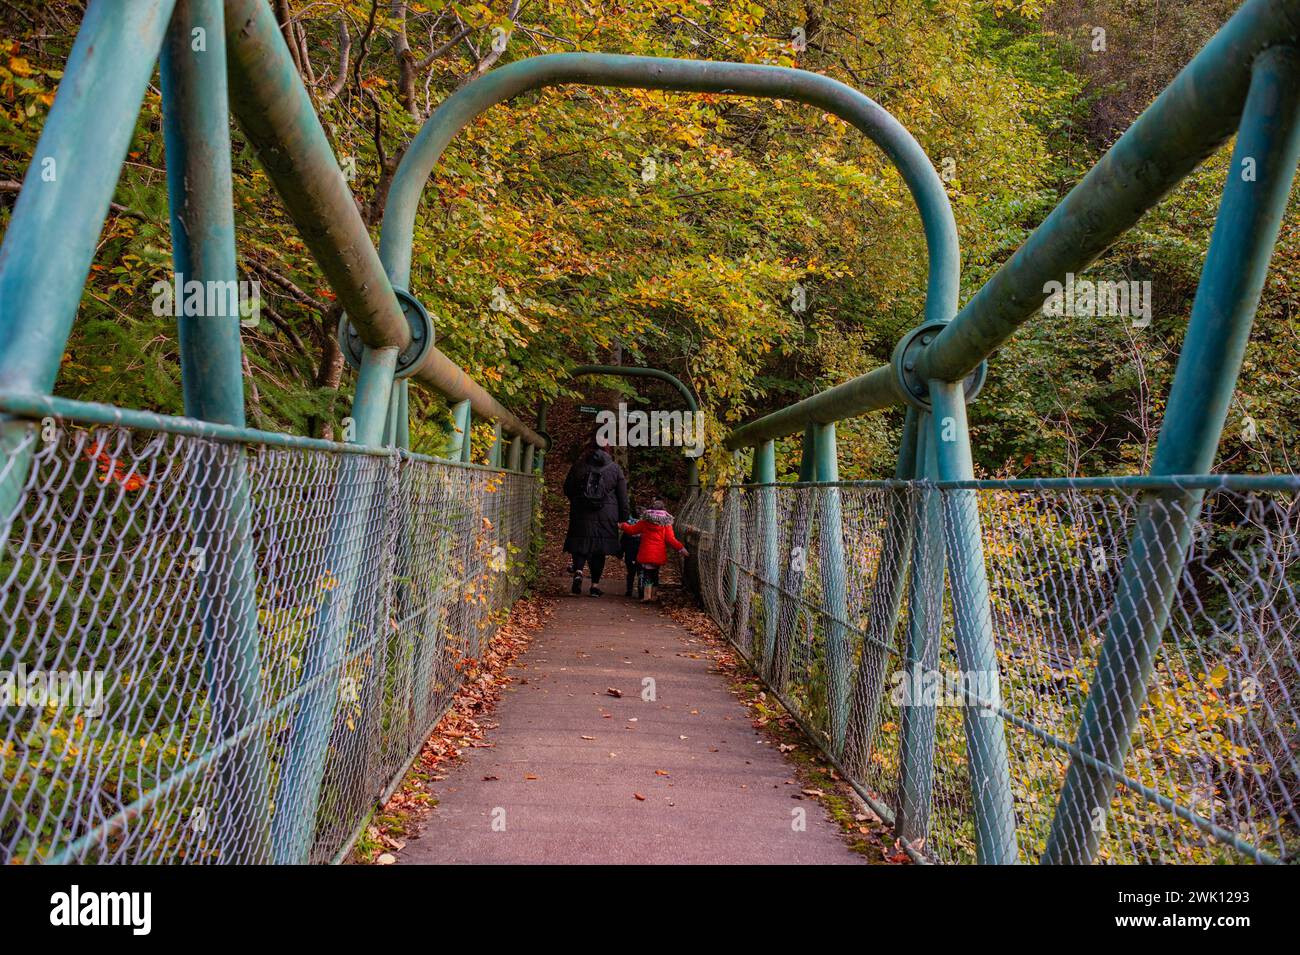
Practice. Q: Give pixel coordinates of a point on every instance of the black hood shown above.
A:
(599, 458)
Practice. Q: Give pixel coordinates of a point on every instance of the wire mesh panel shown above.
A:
(217, 653)
(1211, 774)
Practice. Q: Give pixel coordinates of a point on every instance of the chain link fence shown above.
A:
(837, 596)
(214, 653)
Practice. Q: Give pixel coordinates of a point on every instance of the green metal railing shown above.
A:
(283, 677)
(266, 758)
(1243, 81)
(1210, 775)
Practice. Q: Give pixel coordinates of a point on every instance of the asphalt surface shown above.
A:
(569, 761)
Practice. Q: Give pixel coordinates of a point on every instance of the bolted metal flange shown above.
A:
(915, 390)
(422, 334)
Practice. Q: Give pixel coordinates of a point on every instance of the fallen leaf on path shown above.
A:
(639, 797)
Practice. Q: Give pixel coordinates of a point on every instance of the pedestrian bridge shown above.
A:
(1070, 670)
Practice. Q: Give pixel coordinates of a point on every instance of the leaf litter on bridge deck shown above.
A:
(465, 724)
(865, 832)
(671, 770)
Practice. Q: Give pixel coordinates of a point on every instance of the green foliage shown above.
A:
(575, 223)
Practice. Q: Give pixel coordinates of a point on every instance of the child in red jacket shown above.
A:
(656, 530)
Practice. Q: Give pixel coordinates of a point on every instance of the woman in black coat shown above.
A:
(597, 493)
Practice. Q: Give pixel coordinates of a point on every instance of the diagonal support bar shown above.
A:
(298, 792)
(886, 598)
(916, 723)
(56, 221)
(986, 744)
(769, 534)
(794, 568)
(834, 581)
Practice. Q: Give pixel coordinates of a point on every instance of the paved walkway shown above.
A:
(561, 784)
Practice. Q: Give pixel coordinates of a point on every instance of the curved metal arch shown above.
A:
(698, 76)
(619, 371)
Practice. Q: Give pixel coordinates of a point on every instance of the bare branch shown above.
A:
(284, 328)
(304, 57)
(443, 50)
(284, 17)
(11, 185)
(287, 285)
(488, 60)
(406, 69)
(345, 51)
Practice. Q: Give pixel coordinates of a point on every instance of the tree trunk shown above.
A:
(329, 373)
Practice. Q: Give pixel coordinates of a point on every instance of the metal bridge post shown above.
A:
(390, 418)
(1250, 211)
(834, 573)
(403, 436)
(516, 453)
(882, 618)
(921, 658)
(749, 538)
(467, 446)
(731, 501)
(746, 535)
(540, 460)
(986, 744)
(298, 792)
(196, 129)
(496, 453)
(530, 455)
(796, 565)
(769, 536)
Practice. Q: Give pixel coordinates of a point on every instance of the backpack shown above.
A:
(593, 489)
